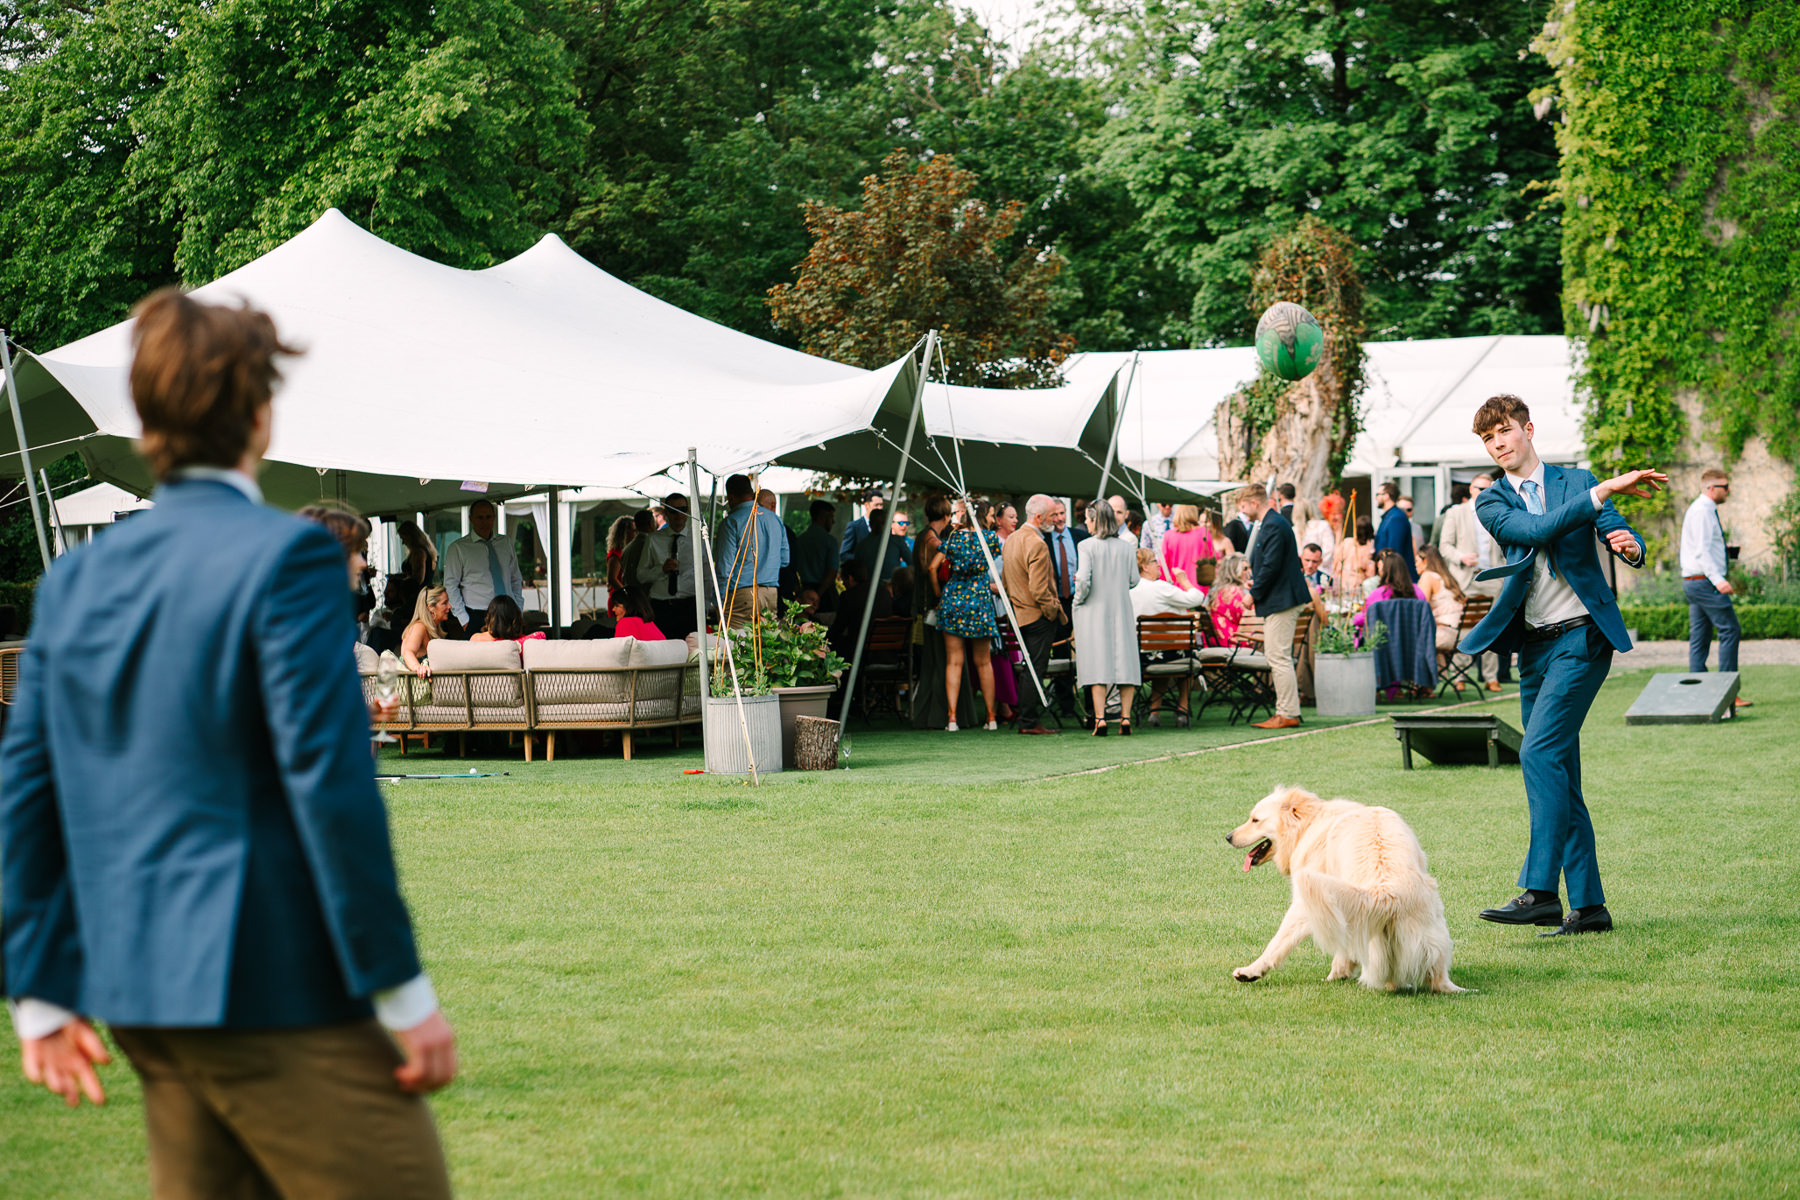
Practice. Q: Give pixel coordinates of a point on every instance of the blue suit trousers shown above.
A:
(1710, 609)
(1557, 684)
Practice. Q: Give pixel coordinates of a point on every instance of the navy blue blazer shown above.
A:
(1566, 533)
(1277, 580)
(1395, 533)
(190, 829)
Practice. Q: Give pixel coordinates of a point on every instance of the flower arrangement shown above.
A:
(1341, 636)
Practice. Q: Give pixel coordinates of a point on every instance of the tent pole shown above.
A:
(551, 545)
(737, 690)
(887, 533)
(31, 492)
(1112, 443)
(693, 466)
(1012, 618)
(61, 538)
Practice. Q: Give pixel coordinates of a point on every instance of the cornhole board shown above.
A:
(1457, 739)
(1687, 699)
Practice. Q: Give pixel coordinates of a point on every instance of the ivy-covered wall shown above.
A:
(1678, 124)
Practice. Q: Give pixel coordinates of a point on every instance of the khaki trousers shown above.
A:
(740, 603)
(311, 1112)
(1278, 647)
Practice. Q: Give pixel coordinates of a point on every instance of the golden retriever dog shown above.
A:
(1360, 889)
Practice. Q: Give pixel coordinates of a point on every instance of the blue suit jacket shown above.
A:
(190, 829)
(1565, 532)
(1395, 533)
(1277, 580)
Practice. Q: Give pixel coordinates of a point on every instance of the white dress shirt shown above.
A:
(1703, 541)
(1550, 599)
(469, 576)
(663, 545)
(1152, 596)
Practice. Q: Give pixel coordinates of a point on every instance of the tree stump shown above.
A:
(815, 744)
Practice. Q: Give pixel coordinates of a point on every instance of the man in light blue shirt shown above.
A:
(752, 549)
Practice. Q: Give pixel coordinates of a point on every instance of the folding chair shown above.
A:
(887, 662)
(1167, 643)
(1450, 671)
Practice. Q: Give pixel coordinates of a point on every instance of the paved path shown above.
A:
(1767, 652)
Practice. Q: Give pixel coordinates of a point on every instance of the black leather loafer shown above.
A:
(1598, 921)
(1521, 911)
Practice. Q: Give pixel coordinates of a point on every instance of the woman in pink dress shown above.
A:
(632, 616)
(1229, 598)
(1185, 544)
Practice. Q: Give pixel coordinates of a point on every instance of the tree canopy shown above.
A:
(680, 143)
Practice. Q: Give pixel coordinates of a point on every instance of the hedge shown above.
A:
(1669, 622)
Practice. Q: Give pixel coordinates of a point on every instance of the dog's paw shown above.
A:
(1247, 974)
(1341, 968)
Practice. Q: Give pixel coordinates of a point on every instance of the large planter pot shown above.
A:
(725, 754)
(1344, 684)
(799, 702)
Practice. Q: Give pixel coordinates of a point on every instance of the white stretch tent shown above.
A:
(543, 370)
(1420, 398)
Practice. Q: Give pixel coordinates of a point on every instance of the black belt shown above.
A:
(1547, 633)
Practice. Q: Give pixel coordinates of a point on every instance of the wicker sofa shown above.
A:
(619, 684)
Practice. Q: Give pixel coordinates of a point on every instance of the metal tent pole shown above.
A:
(693, 466)
(31, 487)
(1112, 443)
(887, 532)
(551, 545)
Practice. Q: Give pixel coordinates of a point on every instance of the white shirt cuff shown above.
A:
(33, 1019)
(1717, 580)
(1594, 495)
(401, 1008)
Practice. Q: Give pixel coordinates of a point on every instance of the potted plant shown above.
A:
(1344, 666)
(801, 668)
(752, 703)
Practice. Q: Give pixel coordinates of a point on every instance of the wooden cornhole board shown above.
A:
(1457, 739)
(1670, 699)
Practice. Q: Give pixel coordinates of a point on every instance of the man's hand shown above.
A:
(1622, 542)
(671, 567)
(1725, 589)
(1642, 484)
(384, 710)
(64, 1062)
(1469, 560)
(430, 1050)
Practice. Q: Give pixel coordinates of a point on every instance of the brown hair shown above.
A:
(1434, 562)
(200, 374)
(1255, 491)
(1391, 490)
(1395, 574)
(1713, 475)
(937, 507)
(1147, 563)
(351, 531)
(1496, 410)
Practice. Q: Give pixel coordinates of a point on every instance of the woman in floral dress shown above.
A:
(966, 611)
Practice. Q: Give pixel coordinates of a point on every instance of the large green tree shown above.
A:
(1406, 124)
(148, 140)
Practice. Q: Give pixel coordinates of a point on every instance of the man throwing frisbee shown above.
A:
(1556, 609)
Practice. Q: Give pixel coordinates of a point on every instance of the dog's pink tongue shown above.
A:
(1247, 859)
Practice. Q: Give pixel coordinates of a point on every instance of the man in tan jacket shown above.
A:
(1030, 584)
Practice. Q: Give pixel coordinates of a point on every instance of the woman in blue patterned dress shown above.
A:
(966, 611)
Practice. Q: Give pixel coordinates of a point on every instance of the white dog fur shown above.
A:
(1360, 888)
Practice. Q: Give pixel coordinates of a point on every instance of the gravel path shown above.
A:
(1770, 652)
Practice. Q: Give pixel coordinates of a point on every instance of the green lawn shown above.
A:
(958, 970)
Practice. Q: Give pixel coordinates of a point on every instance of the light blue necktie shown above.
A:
(1535, 503)
(494, 570)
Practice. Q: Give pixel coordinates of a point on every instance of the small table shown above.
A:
(1457, 739)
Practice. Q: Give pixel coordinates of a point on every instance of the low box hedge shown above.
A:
(1669, 622)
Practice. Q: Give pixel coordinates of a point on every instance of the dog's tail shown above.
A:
(1402, 948)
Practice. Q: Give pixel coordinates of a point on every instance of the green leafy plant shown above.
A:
(789, 651)
(1341, 636)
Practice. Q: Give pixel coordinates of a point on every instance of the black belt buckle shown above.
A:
(1549, 633)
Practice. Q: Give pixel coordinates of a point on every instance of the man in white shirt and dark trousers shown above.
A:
(666, 570)
(479, 566)
(1558, 609)
(1704, 565)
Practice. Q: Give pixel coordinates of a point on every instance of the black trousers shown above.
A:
(1064, 688)
(1036, 639)
(477, 622)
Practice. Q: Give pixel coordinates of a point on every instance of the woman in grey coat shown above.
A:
(1106, 649)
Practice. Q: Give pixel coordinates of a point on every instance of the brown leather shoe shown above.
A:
(1492, 686)
(1278, 723)
(1035, 729)
(1740, 702)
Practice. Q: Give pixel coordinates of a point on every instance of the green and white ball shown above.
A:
(1289, 340)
